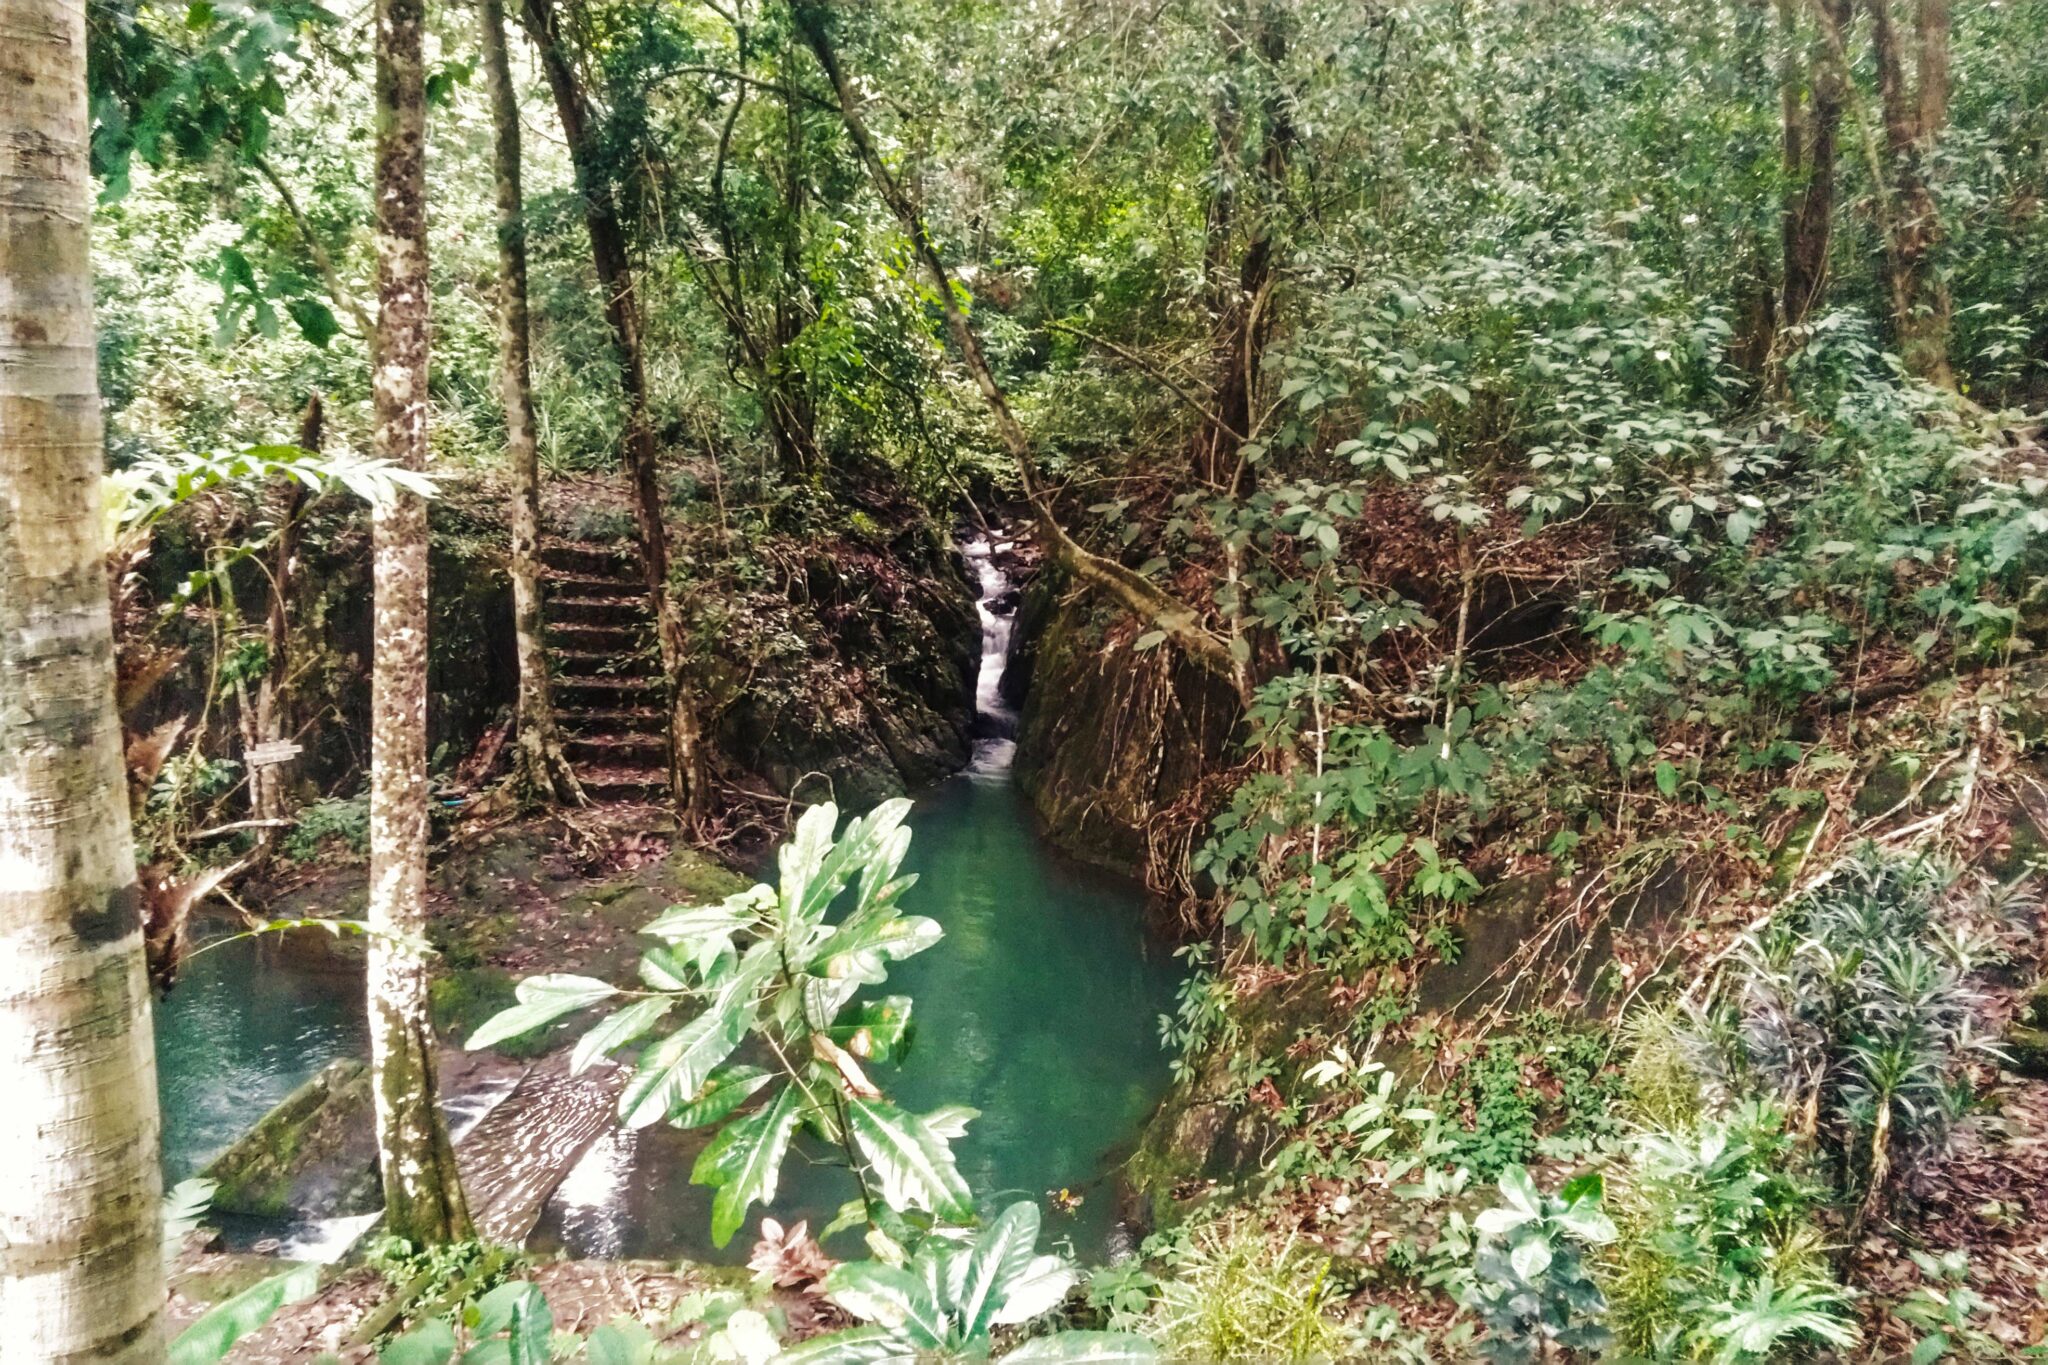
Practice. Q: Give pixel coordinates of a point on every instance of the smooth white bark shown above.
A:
(81, 1274)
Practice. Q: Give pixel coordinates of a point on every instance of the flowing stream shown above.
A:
(1039, 1007)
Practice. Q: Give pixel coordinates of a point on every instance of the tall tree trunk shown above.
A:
(422, 1196)
(543, 770)
(688, 770)
(1915, 112)
(1245, 320)
(1810, 96)
(1179, 622)
(81, 1256)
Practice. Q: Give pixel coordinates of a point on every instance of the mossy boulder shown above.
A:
(315, 1152)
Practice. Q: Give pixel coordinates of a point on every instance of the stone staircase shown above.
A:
(607, 683)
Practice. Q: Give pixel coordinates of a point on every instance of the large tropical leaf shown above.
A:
(875, 1030)
(618, 1030)
(673, 1071)
(702, 932)
(870, 1345)
(1086, 1348)
(744, 1161)
(518, 1311)
(912, 1163)
(978, 1278)
(871, 847)
(1038, 1289)
(542, 1000)
(214, 1333)
(802, 858)
(857, 951)
(725, 1090)
(895, 1297)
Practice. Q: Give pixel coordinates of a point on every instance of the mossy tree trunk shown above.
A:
(542, 769)
(81, 1260)
(422, 1196)
(688, 767)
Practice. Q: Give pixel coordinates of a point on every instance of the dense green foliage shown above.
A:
(1573, 472)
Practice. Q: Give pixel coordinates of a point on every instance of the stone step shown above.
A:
(616, 750)
(572, 611)
(594, 585)
(612, 720)
(617, 637)
(618, 782)
(605, 689)
(612, 663)
(600, 559)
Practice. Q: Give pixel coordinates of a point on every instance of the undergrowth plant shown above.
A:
(1237, 1294)
(1854, 1007)
(769, 964)
(1717, 1254)
(1534, 1287)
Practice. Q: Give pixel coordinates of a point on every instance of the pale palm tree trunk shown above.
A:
(81, 1256)
(422, 1196)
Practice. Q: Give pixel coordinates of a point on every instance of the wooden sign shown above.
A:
(268, 755)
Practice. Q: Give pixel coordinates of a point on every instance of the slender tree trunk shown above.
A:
(1245, 320)
(422, 1196)
(81, 1256)
(1915, 112)
(1811, 97)
(688, 770)
(1178, 621)
(543, 770)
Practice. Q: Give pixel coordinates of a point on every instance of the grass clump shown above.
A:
(1238, 1295)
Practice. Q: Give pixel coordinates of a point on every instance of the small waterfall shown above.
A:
(995, 746)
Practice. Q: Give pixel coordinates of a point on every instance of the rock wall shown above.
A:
(1110, 737)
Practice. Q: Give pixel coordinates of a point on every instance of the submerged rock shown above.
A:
(315, 1153)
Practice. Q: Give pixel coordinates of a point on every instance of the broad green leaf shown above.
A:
(743, 1162)
(858, 951)
(875, 1030)
(520, 1312)
(869, 1345)
(1039, 1289)
(950, 1121)
(702, 932)
(1086, 1348)
(431, 1343)
(542, 1000)
(618, 1030)
(803, 855)
(620, 1342)
(1531, 1255)
(1001, 1255)
(213, 1334)
(893, 1296)
(911, 1162)
(725, 1090)
(1520, 1191)
(672, 1071)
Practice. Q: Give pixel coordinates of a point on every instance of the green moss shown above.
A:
(257, 1175)
(462, 999)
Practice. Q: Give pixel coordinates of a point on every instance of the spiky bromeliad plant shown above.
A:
(769, 964)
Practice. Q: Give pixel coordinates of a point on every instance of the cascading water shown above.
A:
(995, 746)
